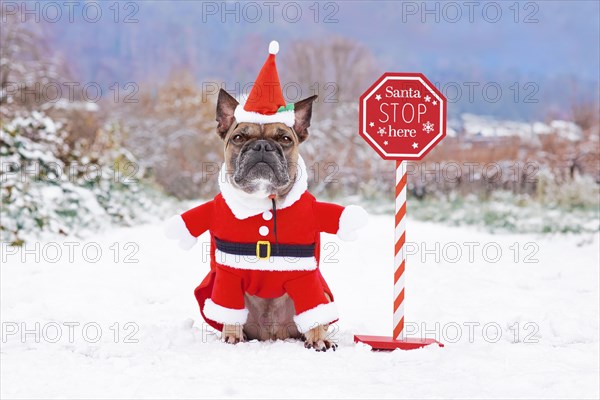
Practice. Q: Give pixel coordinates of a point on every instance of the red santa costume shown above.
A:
(262, 246)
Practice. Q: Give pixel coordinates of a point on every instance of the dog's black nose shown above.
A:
(263, 145)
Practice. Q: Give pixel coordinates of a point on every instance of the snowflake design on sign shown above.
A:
(381, 131)
(428, 127)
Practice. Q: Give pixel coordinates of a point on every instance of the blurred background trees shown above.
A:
(506, 173)
(65, 169)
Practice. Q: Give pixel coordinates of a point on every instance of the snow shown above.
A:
(141, 278)
(567, 129)
(66, 104)
(488, 126)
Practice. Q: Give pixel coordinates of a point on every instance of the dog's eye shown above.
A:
(237, 139)
(285, 139)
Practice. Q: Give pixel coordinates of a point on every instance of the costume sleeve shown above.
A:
(198, 220)
(186, 228)
(343, 221)
(327, 216)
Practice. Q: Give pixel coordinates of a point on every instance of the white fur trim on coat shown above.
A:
(244, 205)
(224, 315)
(285, 117)
(352, 218)
(269, 264)
(175, 228)
(320, 315)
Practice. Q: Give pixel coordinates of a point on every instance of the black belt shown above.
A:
(262, 249)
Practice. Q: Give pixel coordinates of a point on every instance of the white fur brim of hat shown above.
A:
(285, 117)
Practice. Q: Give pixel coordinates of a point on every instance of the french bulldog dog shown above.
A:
(263, 160)
(264, 225)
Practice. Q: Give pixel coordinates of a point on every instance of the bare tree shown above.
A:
(338, 68)
(26, 67)
(172, 133)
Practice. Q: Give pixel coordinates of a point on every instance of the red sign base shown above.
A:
(386, 343)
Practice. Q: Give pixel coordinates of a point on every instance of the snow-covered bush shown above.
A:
(506, 212)
(49, 188)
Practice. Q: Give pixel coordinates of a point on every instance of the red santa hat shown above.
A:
(265, 103)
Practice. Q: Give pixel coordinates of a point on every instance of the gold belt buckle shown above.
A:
(268, 244)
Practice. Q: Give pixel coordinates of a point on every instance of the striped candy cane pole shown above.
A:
(399, 250)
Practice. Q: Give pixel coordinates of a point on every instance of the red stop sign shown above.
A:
(402, 116)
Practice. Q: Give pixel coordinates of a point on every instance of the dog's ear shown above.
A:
(302, 114)
(226, 105)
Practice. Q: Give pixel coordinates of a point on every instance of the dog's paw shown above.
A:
(233, 334)
(352, 219)
(175, 228)
(316, 338)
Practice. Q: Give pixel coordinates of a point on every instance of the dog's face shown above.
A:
(262, 158)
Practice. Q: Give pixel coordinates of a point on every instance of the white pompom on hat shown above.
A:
(265, 103)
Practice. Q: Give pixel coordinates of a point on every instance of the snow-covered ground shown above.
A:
(532, 303)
